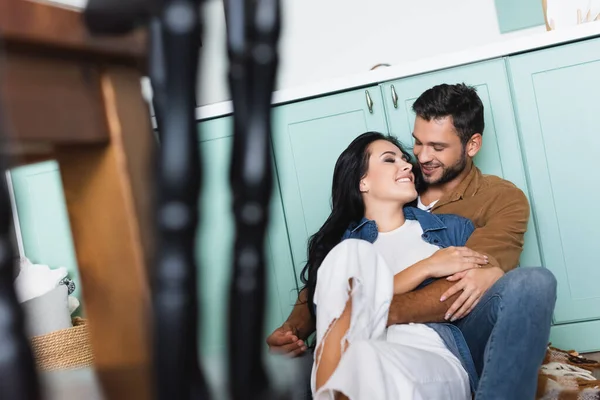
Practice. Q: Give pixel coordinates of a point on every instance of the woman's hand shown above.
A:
(473, 283)
(451, 260)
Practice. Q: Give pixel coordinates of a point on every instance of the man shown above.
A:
(504, 312)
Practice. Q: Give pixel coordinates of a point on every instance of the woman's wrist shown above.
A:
(426, 269)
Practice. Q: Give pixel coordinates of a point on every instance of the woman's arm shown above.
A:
(444, 262)
(411, 277)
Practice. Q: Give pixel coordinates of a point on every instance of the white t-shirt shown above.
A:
(423, 207)
(403, 246)
(400, 249)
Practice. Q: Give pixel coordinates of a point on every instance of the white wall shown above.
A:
(322, 39)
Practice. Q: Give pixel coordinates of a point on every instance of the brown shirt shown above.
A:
(499, 210)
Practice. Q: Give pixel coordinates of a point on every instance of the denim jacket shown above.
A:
(442, 230)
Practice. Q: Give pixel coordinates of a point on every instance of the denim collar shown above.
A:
(429, 222)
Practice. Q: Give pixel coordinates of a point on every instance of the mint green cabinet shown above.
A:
(556, 100)
(46, 234)
(43, 217)
(501, 153)
(215, 244)
(308, 137)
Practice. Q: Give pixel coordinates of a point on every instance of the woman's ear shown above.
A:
(474, 145)
(363, 186)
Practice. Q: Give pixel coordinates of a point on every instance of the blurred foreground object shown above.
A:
(253, 29)
(68, 96)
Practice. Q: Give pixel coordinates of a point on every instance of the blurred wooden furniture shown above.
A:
(77, 99)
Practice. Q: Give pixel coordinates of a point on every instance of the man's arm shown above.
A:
(500, 238)
(290, 337)
(422, 305)
(300, 319)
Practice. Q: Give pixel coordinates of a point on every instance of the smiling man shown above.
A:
(503, 312)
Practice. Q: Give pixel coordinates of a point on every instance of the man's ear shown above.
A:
(474, 145)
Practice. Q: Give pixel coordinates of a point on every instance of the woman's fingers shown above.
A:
(457, 276)
(457, 287)
(476, 260)
(463, 311)
(467, 252)
(472, 306)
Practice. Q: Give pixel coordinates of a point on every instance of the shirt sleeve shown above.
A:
(502, 236)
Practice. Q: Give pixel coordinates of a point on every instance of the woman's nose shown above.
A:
(407, 167)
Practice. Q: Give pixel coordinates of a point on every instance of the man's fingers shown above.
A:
(297, 352)
(287, 349)
(456, 305)
(279, 338)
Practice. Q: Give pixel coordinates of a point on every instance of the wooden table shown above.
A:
(77, 99)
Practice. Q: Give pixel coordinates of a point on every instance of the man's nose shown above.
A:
(424, 156)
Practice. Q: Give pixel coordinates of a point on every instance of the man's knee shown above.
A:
(535, 284)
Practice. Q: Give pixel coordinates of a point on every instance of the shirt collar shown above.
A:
(466, 188)
(428, 221)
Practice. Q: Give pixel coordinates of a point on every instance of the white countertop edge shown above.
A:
(438, 62)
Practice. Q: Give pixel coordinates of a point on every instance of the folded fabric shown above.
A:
(73, 304)
(35, 280)
(48, 312)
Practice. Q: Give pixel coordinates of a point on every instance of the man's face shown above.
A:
(438, 149)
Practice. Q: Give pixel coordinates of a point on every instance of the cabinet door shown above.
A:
(308, 137)
(42, 214)
(47, 238)
(215, 246)
(556, 97)
(500, 154)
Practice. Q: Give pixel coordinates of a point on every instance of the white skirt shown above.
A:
(402, 362)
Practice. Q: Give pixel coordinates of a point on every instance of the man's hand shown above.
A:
(473, 283)
(284, 340)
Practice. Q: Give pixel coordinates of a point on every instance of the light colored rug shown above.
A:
(566, 375)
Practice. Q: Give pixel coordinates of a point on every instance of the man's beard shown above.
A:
(448, 173)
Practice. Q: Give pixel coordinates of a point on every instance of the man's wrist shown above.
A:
(299, 328)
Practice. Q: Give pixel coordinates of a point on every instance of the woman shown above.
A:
(370, 248)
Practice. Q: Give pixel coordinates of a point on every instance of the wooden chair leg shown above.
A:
(109, 199)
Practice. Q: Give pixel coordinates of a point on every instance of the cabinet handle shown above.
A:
(394, 97)
(369, 101)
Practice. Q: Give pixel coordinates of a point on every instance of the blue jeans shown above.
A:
(508, 332)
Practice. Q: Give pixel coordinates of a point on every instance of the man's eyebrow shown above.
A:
(432, 143)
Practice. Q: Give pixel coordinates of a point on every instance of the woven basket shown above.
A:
(64, 349)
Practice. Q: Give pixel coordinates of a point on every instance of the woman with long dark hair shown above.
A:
(371, 247)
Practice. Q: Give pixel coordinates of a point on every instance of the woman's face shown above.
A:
(389, 177)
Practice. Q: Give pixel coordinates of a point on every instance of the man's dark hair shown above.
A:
(459, 101)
